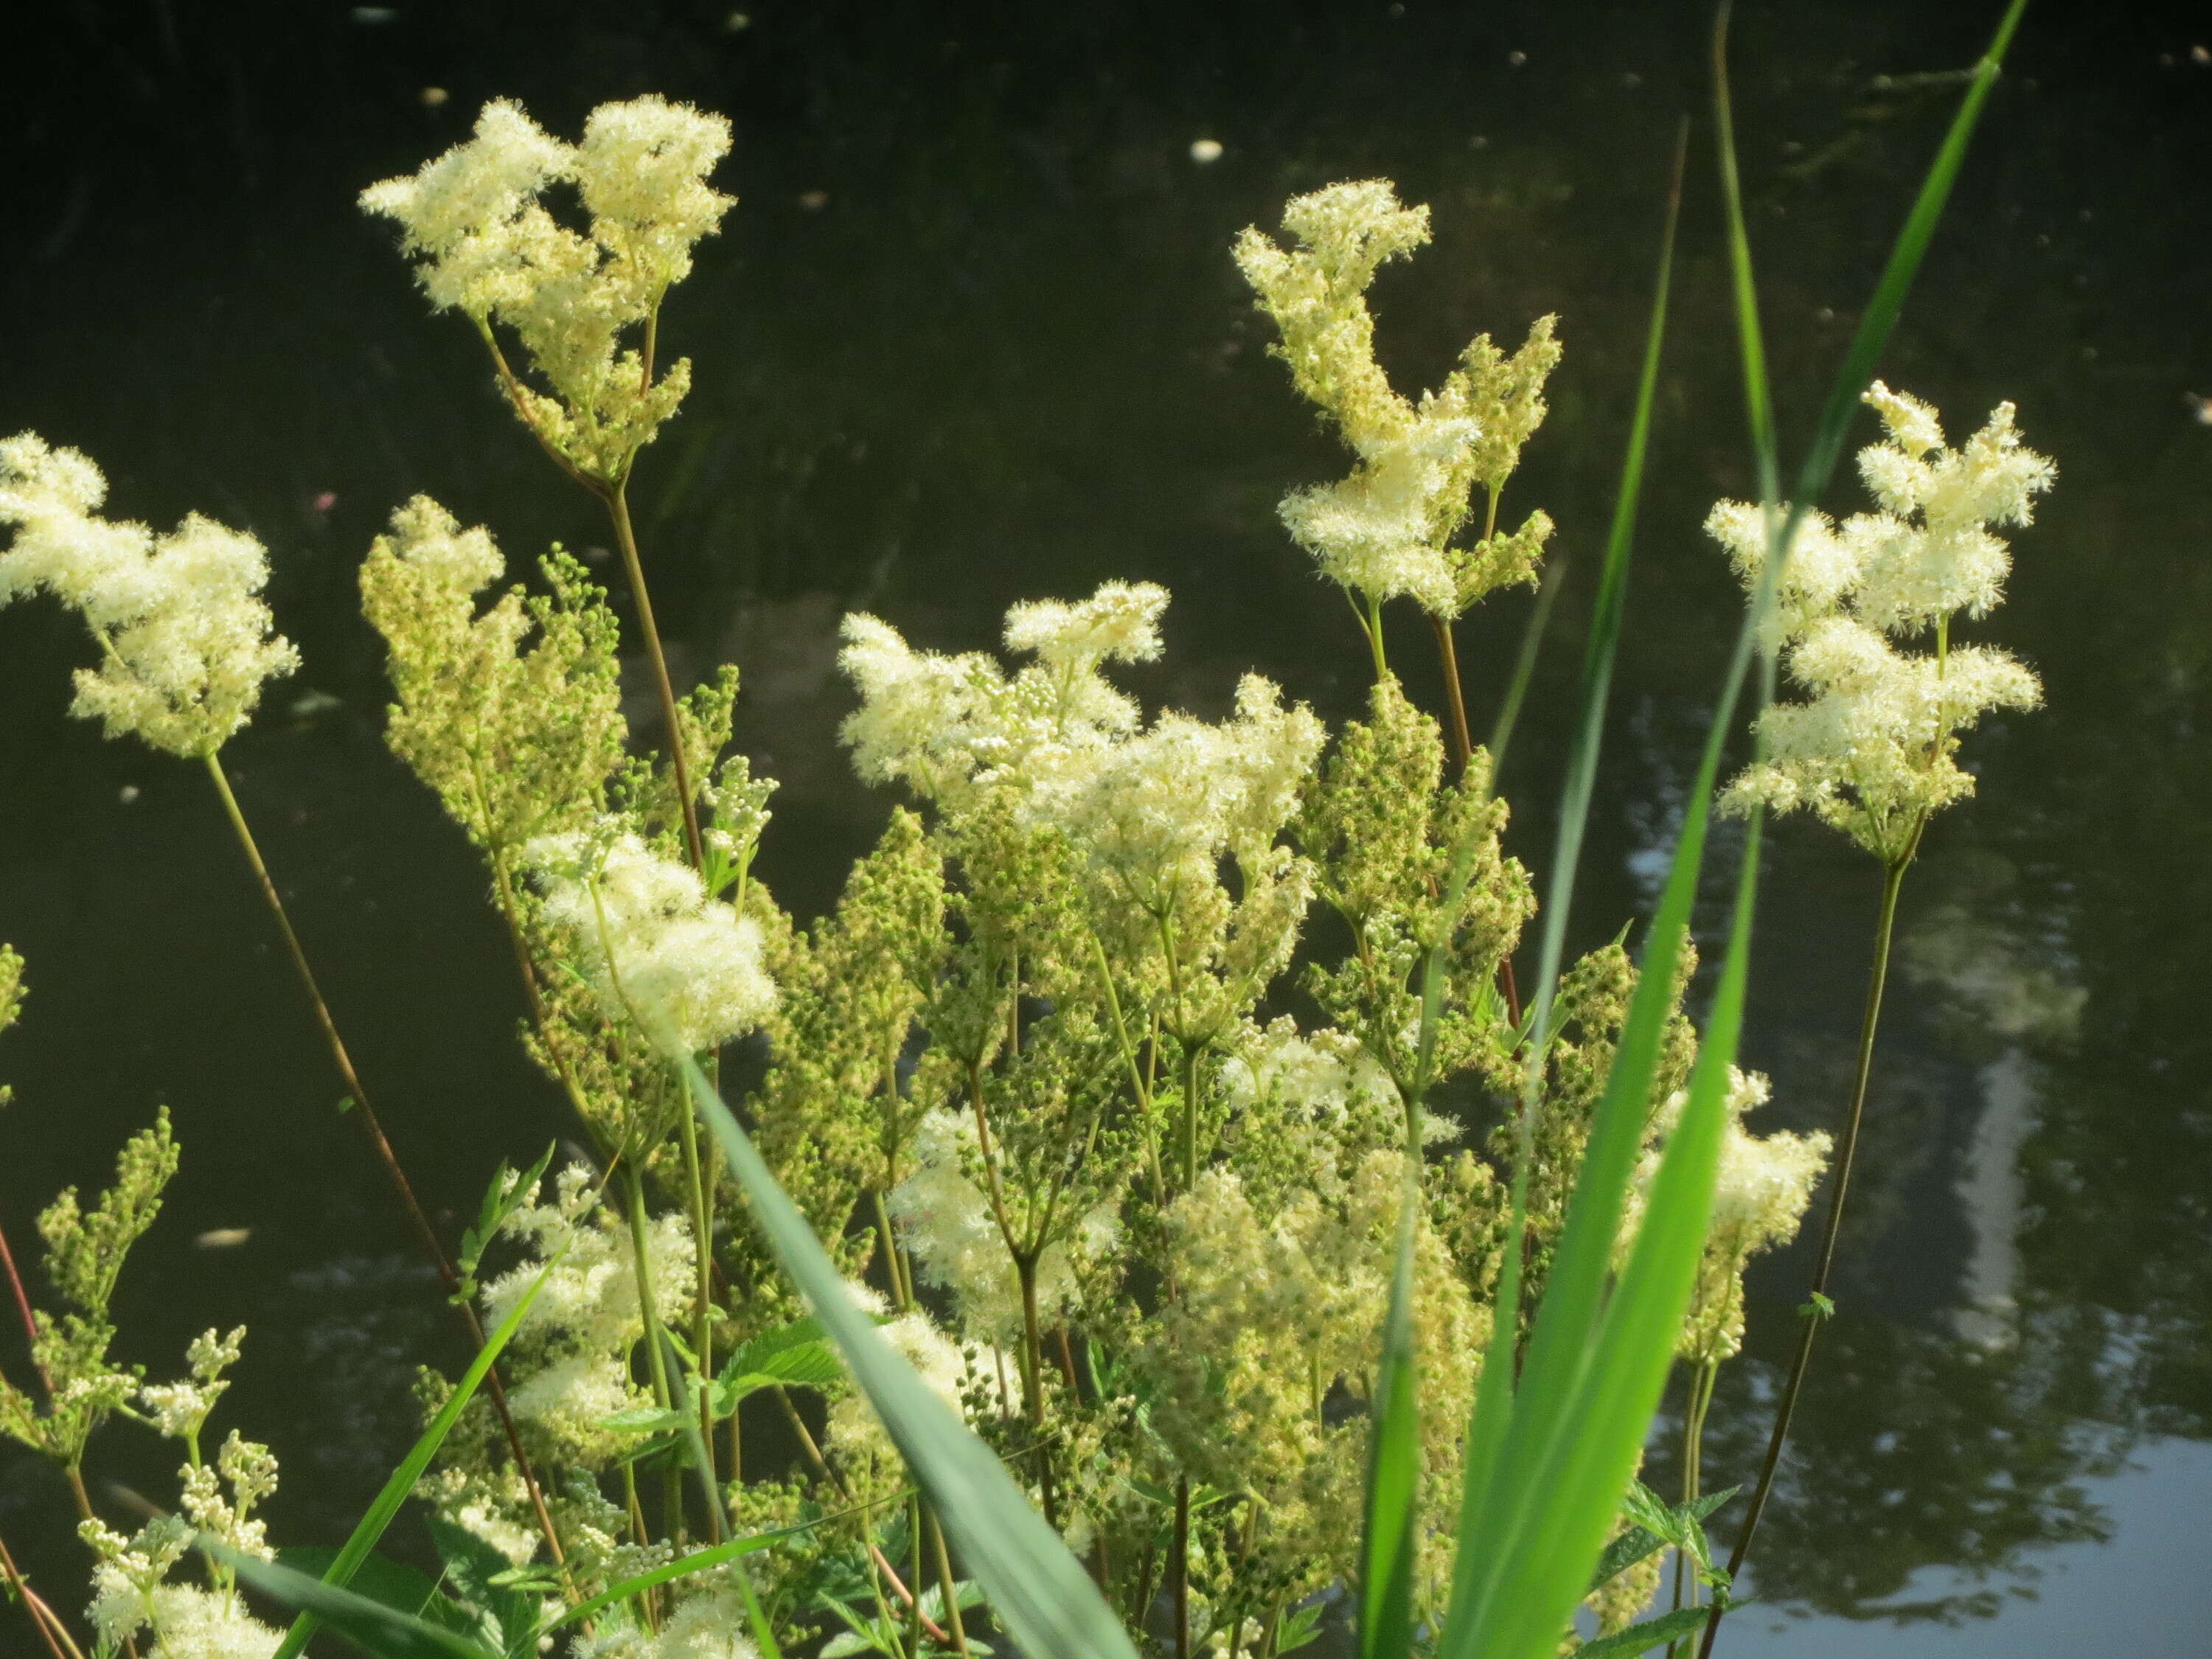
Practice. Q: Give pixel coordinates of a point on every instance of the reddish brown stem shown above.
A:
(426, 1236)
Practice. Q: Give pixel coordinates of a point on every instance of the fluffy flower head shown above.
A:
(656, 948)
(185, 631)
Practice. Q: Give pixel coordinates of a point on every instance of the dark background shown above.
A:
(972, 335)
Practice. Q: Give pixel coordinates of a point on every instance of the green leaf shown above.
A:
(506, 1194)
(374, 1628)
(683, 1567)
(1301, 1625)
(392, 1584)
(403, 1479)
(1393, 1466)
(1624, 1552)
(1641, 1638)
(1040, 1592)
(504, 1613)
(796, 1355)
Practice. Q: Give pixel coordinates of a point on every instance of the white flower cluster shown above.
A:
(655, 947)
(946, 1221)
(580, 1330)
(184, 631)
(1760, 1191)
(179, 1409)
(130, 1589)
(490, 248)
(1385, 530)
(1871, 752)
(1155, 808)
(855, 1430)
(709, 1623)
(1328, 1076)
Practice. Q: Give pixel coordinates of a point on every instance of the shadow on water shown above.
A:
(973, 335)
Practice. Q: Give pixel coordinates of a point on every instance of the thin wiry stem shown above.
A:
(1814, 1312)
(59, 1642)
(1463, 740)
(425, 1236)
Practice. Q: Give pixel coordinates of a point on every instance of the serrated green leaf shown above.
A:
(1624, 1552)
(1641, 1638)
(480, 1576)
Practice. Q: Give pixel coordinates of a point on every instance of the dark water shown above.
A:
(973, 335)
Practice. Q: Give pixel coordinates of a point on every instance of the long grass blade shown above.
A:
(385, 1632)
(1393, 1466)
(683, 1567)
(1039, 1591)
(370, 1527)
(1561, 1351)
(1491, 1420)
(1851, 380)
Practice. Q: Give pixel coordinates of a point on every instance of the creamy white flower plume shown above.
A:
(185, 633)
(1872, 750)
(1387, 530)
(944, 1218)
(655, 947)
(489, 246)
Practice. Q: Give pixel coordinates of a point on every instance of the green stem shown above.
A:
(1375, 639)
(702, 1301)
(1192, 1054)
(1824, 1261)
(947, 1586)
(664, 1393)
(1694, 1444)
(617, 497)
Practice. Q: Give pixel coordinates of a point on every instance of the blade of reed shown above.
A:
(1852, 378)
(1519, 1452)
(1394, 1467)
(1617, 1380)
(1039, 1591)
(1388, 1547)
(370, 1527)
(683, 1567)
(1492, 1419)
(385, 1632)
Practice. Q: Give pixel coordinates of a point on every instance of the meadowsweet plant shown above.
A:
(1085, 1217)
(1871, 749)
(1391, 528)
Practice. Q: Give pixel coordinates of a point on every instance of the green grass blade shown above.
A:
(1394, 1467)
(374, 1628)
(1585, 1469)
(1492, 1419)
(1903, 264)
(1743, 284)
(1039, 1591)
(1553, 1460)
(1524, 665)
(371, 1527)
(683, 1567)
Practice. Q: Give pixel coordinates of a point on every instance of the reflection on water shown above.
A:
(973, 336)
